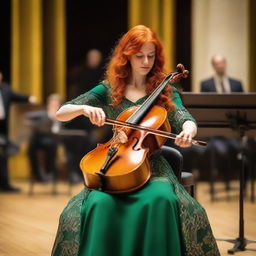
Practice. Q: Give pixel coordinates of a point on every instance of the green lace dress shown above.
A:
(160, 219)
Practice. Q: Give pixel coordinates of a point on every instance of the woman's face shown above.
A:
(143, 61)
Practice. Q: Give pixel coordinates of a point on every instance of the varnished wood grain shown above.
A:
(29, 223)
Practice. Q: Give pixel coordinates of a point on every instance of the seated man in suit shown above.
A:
(43, 140)
(221, 152)
(220, 82)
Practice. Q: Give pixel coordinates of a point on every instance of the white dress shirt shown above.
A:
(224, 80)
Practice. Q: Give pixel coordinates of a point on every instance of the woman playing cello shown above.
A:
(160, 218)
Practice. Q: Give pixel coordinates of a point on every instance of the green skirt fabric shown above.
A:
(143, 223)
(159, 219)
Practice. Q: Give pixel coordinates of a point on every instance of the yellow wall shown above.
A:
(220, 27)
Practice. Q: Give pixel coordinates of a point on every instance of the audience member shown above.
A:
(7, 97)
(220, 82)
(44, 140)
(87, 75)
(221, 151)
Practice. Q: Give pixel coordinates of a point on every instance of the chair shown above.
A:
(175, 159)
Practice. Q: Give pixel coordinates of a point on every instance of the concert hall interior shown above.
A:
(83, 86)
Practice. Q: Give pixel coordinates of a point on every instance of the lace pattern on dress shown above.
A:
(196, 230)
(68, 235)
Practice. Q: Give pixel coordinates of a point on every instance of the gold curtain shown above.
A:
(38, 47)
(160, 16)
(54, 66)
(38, 60)
(26, 57)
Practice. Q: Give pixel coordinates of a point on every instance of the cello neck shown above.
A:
(148, 103)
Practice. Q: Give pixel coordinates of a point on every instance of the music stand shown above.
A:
(232, 115)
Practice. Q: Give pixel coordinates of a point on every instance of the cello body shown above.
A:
(129, 168)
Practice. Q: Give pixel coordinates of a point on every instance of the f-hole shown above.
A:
(136, 143)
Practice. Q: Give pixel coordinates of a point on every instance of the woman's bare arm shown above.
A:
(70, 111)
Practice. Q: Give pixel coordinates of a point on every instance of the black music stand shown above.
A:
(229, 115)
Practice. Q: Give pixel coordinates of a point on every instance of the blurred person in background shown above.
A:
(220, 82)
(44, 127)
(85, 76)
(7, 97)
(221, 151)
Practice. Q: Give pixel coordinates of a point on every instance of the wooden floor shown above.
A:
(28, 223)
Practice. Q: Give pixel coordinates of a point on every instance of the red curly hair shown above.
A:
(119, 69)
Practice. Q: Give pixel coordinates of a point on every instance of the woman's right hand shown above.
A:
(96, 115)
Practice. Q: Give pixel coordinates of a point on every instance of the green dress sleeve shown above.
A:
(96, 97)
(180, 113)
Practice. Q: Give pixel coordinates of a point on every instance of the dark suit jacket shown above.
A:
(209, 85)
(8, 97)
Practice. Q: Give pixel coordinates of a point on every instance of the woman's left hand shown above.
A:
(189, 130)
(184, 139)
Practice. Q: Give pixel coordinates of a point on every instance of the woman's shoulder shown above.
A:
(175, 93)
(176, 97)
(101, 91)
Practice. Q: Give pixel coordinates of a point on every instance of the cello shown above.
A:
(115, 167)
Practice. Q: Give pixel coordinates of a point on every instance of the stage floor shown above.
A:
(28, 223)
